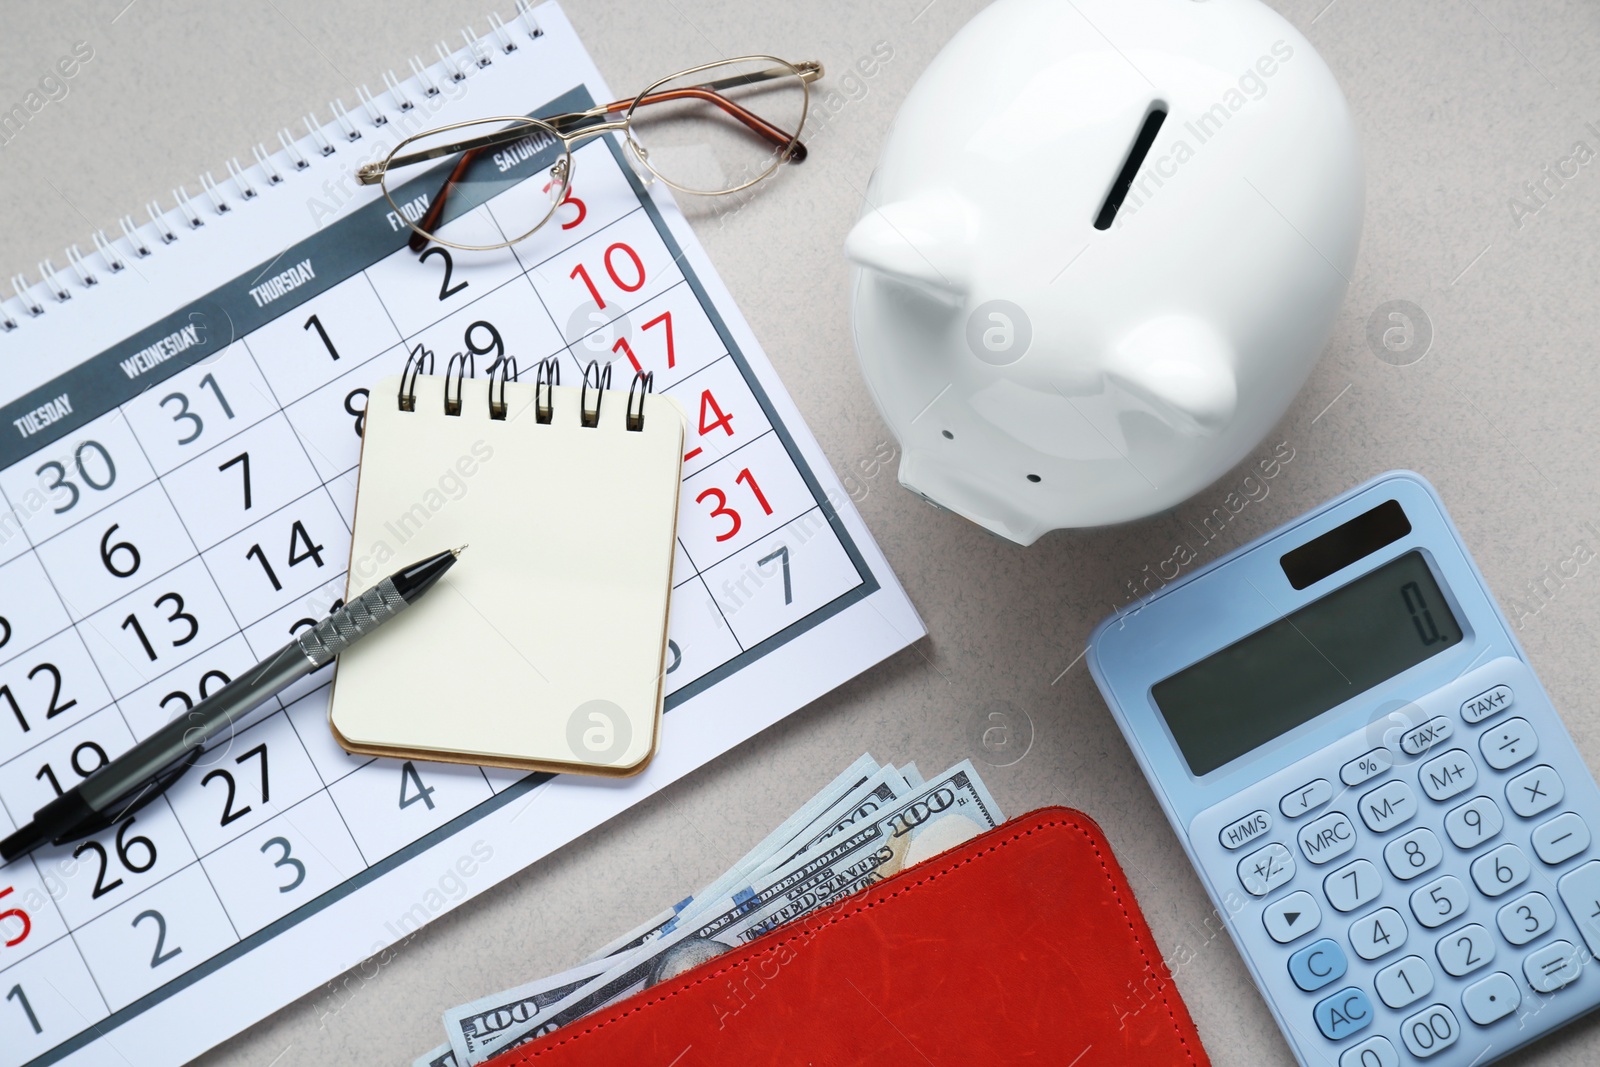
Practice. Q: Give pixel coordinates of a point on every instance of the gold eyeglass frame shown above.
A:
(574, 127)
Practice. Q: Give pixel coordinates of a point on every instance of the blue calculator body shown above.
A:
(1371, 782)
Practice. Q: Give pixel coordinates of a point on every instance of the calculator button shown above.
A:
(1556, 965)
(1328, 838)
(1560, 839)
(1373, 1052)
(1366, 767)
(1534, 791)
(1266, 869)
(1474, 822)
(1580, 892)
(1387, 806)
(1413, 854)
(1465, 950)
(1526, 918)
(1418, 739)
(1492, 999)
(1318, 964)
(1404, 982)
(1487, 703)
(1509, 743)
(1309, 796)
(1500, 870)
(1354, 884)
(1292, 917)
(1430, 1031)
(1448, 775)
(1378, 934)
(1241, 833)
(1439, 901)
(1346, 1012)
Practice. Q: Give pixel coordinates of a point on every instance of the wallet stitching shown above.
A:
(859, 908)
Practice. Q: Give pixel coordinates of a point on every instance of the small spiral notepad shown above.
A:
(544, 646)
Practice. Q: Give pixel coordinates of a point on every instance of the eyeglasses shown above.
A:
(709, 130)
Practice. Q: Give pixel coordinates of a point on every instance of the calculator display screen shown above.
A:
(1306, 662)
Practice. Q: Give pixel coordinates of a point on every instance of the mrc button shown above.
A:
(1487, 703)
(1246, 830)
(1327, 838)
(1418, 739)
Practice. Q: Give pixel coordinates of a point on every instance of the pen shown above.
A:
(145, 771)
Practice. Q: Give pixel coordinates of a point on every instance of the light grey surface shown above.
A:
(1460, 103)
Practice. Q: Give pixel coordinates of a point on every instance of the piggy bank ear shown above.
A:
(1183, 369)
(924, 242)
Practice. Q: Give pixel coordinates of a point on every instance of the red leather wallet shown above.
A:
(1024, 945)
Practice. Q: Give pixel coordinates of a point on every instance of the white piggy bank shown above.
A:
(1067, 321)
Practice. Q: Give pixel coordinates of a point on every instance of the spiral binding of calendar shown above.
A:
(463, 365)
(269, 171)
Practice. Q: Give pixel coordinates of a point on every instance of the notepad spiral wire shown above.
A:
(270, 169)
(503, 369)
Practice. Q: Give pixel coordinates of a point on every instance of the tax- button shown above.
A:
(1328, 838)
(1242, 832)
(1318, 964)
(1292, 917)
(1444, 776)
(1509, 743)
(1309, 796)
(1492, 999)
(1418, 739)
(1346, 1012)
(1553, 966)
(1266, 869)
(1387, 806)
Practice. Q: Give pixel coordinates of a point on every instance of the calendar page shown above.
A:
(178, 451)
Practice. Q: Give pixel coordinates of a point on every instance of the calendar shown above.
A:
(180, 426)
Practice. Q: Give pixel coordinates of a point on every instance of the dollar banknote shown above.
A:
(476, 1029)
(945, 811)
(443, 1056)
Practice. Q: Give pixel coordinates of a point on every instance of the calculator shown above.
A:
(1374, 788)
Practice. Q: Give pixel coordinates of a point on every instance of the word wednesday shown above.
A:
(159, 352)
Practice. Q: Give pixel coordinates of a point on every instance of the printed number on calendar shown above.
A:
(178, 617)
(723, 421)
(223, 775)
(51, 706)
(720, 508)
(92, 466)
(135, 855)
(622, 265)
(13, 917)
(300, 550)
(87, 757)
(191, 422)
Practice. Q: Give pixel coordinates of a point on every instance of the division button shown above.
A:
(1492, 999)
(1509, 743)
(1560, 839)
(1311, 795)
(1418, 739)
(1292, 917)
(1346, 1012)
(1553, 966)
(1430, 1031)
(1266, 869)
(1317, 965)
(1487, 703)
(1327, 838)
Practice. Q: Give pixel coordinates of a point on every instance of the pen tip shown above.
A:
(456, 552)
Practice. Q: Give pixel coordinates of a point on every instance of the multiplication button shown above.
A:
(1535, 791)
(1266, 869)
